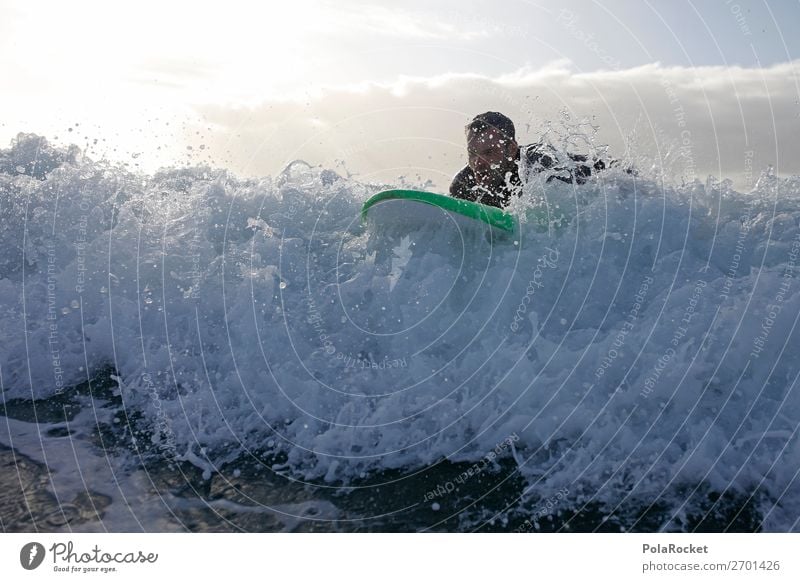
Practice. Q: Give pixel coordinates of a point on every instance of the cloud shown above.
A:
(692, 121)
(385, 21)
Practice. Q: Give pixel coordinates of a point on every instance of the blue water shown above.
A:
(631, 365)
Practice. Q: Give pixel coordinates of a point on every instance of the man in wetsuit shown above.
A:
(492, 175)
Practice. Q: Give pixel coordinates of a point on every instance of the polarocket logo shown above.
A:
(31, 556)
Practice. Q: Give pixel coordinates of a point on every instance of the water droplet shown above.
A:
(282, 285)
(435, 506)
(75, 304)
(65, 310)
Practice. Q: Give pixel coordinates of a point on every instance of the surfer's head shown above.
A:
(492, 148)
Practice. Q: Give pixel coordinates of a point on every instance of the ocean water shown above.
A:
(195, 350)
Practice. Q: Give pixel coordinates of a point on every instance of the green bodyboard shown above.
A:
(491, 215)
(539, 219)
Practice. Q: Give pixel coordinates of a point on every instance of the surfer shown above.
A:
(492, 174)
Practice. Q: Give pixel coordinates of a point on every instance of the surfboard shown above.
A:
(410, 205)
(398, 210)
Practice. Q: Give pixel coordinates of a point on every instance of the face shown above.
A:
(490, 157)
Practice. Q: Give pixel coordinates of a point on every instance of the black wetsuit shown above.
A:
(464, 185)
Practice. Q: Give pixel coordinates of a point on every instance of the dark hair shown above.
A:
(491, 120)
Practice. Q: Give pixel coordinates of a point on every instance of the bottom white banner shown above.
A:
(370, 557)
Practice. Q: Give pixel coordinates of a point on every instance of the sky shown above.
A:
(383, 89)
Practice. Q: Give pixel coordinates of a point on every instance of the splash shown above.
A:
(639, 342)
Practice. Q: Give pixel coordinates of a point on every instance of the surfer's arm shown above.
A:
(578, 170)
(583, 167)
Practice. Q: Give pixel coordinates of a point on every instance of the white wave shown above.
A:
(648, 344)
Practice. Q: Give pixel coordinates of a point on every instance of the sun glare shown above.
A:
(169, 50)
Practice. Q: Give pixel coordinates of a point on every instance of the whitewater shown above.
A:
(635, 348)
